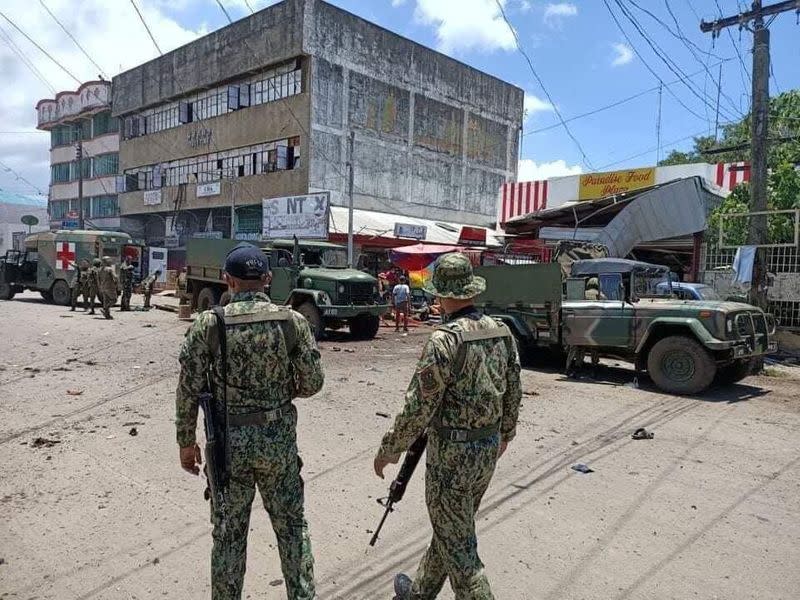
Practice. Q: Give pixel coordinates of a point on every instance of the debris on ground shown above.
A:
(156, 560)
(582, 468)
(2, 561)
(132, 423)
(41, 442)
(90, 363)
(349, 350)
(526, 393)
(74, 392)
(62, 369)
(335, 349)
(133, 432)
(32, 369)
(276, 582)
(43, 344)
(643, 434)
(382, 414)
(148, 325)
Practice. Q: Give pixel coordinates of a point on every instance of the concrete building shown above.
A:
(266, 107)
(82, 116)
(12, 208)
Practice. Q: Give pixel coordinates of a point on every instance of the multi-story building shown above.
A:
(82, 119)
(266, 107)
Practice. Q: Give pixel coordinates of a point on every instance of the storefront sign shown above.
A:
(172, 240)
(152, 197)
(208, 235)
(406, 230)
(472, 236)
(303, 216)
(599, 185)
(248, 237)
(208, 189)
(70, 224)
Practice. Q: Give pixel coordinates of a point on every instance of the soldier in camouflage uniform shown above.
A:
(148, 283)
(107, 285)
(93, 282)
(466, 393)
(126, 282)
(272, 358)
(79, 284)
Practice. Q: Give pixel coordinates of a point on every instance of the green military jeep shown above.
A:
(684, 345)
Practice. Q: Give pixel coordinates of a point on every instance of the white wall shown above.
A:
(10, 215)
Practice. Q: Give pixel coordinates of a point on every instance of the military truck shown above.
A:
(310, 276)
(684, 345)
(48, 262)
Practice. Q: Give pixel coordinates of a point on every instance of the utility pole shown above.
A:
(79, 159)
(658, 126)
(350, 178)
(757, 233)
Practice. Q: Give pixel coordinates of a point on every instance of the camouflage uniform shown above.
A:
(126, 281)
(107, 284)
(79, 285)
(93, 282)
(148, 283)
(261, 377)
(459, 387)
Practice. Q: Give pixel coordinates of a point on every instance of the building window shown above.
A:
(61, 135)
(104, 206)
(106, 164)
(59, 209)
(60, 173)
(103, 123)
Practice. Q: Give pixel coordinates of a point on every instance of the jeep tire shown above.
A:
(310, 311)
(6, 291)
(680, 365)
(207, 299)
(61, 293)
(364, 327)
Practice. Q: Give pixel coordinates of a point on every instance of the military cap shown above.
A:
(453, 278)
(97, 262)
(246, 261)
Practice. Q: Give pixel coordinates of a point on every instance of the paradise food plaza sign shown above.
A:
(593, 186)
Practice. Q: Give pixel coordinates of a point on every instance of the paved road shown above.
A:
(710, 508)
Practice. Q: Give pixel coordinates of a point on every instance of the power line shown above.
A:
(21, 178)
(86, 54)
(21, 55)
(247, 3)
(618, 102)
(651, 150)
(743, 70)
(586, 160)
(42, 50)
(227, 16)
(661, 55)
(150, 33)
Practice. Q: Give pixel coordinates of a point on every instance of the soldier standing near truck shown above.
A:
(108, 285)
(94, 282)
(148, 283)
(268, 357)
(126, 281)
(466, 393)
(78, 284)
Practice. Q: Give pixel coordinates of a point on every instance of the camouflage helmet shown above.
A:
(96, 262)
(593, 283)
(453, 278)
(107, 260)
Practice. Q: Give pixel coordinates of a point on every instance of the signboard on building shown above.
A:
(172, 240)
(152, 197)
(593, 186)
(472, 236)
(208, 235)
(208, 189)
(304, 216)
(407, 230)
(70, 223)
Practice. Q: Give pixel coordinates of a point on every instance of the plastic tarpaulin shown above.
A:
(418, 256)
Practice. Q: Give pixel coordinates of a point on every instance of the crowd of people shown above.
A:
(100, 283)
(395, 290)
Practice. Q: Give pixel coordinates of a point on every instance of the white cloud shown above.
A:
(112, 35)
(554, 14)
(622, 54)
(466, 24)
(397, 3)
(530, 170)
(533, 104)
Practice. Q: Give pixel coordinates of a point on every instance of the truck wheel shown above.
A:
(309, 310)
(47, 296)
(680, 365)
(225, 299)
(62, 295)
(364, 327)
(735, 372)
(6, 291)
(207, 299)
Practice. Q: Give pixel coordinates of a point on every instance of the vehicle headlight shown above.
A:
(342, 288)
(308, 283)
(729, 325)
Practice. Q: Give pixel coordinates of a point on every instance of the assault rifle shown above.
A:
(398, 487)
(215, 413)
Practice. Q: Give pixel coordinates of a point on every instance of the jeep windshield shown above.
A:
(652, 282)
(325, 257)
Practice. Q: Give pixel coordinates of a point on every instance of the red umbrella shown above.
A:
(418, 256)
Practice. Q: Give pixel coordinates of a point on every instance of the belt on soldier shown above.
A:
(451, 434)
(261, 417)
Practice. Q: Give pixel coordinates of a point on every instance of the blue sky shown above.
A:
(580, 54)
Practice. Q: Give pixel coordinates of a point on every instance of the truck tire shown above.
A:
(47, 296)
(310, 311)
(364, 327)
(207, 299)
(736, 371)
(680, 365)
(62, 295)
(225, 299)
(6, 291)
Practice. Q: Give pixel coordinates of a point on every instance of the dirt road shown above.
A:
(709, 508)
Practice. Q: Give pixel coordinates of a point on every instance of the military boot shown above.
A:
(402, 587)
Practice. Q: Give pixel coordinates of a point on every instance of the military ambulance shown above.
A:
(48, 262)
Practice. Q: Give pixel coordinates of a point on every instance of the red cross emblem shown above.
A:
(65, 254)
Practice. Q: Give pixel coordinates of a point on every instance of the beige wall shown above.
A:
(99, 145)
(98, 186)
(245, 127)
(245, 190)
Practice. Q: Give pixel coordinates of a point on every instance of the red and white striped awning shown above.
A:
(521, 198)
(729, 175)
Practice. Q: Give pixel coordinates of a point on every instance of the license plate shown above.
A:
(772, 347)
(330, 312)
